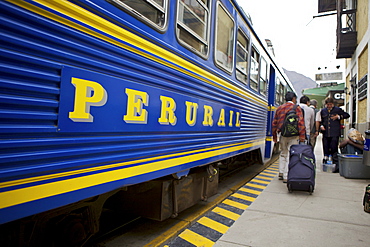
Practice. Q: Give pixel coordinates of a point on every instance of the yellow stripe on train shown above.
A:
(27, 194)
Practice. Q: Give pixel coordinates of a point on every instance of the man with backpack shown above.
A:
(289, 122)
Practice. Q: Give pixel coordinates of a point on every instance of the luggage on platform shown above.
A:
(366, 201)
(301, 174)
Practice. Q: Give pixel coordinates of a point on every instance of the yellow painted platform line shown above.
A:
(272, 172)
(256, 186)
(260, 181)
(226, 213)
(256, 192)
(244, 197)
(196, 239)
(213, 224)
(265, 177)
(235, 204)
(267, 174)
(272, 169)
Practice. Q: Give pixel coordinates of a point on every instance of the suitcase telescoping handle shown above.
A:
(305, 142)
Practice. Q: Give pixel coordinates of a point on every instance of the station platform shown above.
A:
(263, 213)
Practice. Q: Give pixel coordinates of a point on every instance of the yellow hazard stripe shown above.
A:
(226, 213)
(256, 186)
(235, 204)
(213, 224)
(259, 181)
(244, 197)
(255, 192)
(196, 239)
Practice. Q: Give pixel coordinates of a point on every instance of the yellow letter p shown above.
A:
(87, 93)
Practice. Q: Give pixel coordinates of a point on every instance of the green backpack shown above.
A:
(290, 125)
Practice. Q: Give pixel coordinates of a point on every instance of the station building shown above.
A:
(353, 40)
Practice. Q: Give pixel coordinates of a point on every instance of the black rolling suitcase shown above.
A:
(301, 174)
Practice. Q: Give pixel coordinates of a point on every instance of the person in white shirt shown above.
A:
(309, 115)
(313, 136)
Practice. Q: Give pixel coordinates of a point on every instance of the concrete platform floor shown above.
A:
(332, 216)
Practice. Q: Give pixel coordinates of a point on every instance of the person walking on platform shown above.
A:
(313, 136)
(308, 114)
(286, 142)
(328, 122)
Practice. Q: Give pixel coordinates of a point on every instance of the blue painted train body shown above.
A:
(95, 97)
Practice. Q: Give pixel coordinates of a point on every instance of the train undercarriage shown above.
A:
(158, 199)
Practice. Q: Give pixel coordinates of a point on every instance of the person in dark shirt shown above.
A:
(330, 126)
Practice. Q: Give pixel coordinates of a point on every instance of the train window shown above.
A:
(152, 11)
(255, 56)
(242, 57)
(193, 24)
(286, 90)
(282, 94)
(279, 92)
(224, 39)
(263, 76)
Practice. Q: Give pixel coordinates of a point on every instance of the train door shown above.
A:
(269, 144)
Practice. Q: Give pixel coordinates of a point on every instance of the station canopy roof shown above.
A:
(320, 93)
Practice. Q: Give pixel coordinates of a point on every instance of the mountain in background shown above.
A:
(300, 82)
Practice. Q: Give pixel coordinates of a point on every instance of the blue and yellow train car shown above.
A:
(102, 96)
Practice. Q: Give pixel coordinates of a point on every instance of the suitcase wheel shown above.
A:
(367, 207)
(290, 188)
(310, 189)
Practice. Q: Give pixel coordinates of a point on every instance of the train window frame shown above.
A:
(184, 29)
(254, 66)
(132, 11)
(263, 76)
(224, 60)
(242, 73)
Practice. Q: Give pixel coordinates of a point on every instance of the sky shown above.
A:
(301, 43)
